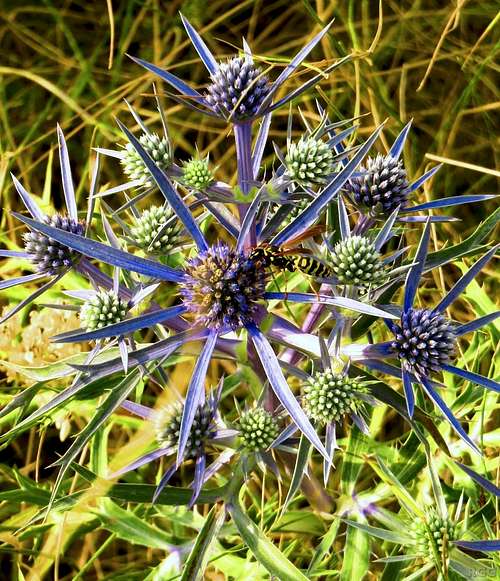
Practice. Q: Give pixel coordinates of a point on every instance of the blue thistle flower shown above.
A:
(239, 90)
(219, 289)
(49, 257)
(381, 186)
(424, 340)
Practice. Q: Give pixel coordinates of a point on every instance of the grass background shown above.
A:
(433, 61)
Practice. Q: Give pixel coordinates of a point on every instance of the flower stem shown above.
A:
(243, 139)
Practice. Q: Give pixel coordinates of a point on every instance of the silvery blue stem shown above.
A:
(243, 138)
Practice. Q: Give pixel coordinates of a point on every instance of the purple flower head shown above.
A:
(49, 256)
(424, 340)
(222, 287)
(238, 89)
(380, 186)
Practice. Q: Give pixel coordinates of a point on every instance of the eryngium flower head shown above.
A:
(197, 174)
(103, 309)
(47, 255)
(424, 340)
(258, 429)
(159, 150)
(433, 534)
(381, 187)
(309, 161)
(237, 90)
(168, 424)
(328, 396)
(222, 287)
(355, 261)
(147, 228)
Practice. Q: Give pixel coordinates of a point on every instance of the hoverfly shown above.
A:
(292, 258)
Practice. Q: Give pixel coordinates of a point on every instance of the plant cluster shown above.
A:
(212, 269)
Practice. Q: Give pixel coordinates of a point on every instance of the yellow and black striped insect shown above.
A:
(291, 257)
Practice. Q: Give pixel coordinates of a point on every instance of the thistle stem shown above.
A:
(243, 139)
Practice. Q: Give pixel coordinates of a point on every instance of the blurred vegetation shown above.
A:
(435, 61)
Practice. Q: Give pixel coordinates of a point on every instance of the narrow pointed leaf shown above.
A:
(465, 280)
(109, 255)
(172, 80)
(196, 562)
(385, 534)
(168, 190)
(299, 470)
(451, 201)
(345, 229)
(281, 388)
(123, 328)
(67, 180)
(201, 48)
(10, 282)
(415, 273)
(385, 231)
(486, 546)
(455, 424)
(265, 551)
(30, 204)
(194, 393)
(486, 484)
(199, 478)
(341, 302)
(476, 324)
(410, 396)
(294, 63)
(397, 146)
(423, 178)
(144, 459)
(473, 377)
(260, 143)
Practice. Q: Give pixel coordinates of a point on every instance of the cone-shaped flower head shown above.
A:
(159, 150)
(381, 185)
(152, 233)
(50, 256)
(237, 89)
(103, 309)
(356, 261)
(222, 287)
(197, 174)
(424, 341)
(309, 161)
(168, 425)
(433, 534)
(258, 429)
(328, 396)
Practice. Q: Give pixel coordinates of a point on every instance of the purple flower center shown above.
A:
(222, 288)
(424, 340)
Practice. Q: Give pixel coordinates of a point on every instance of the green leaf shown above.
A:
(107, 407)
(197, 559)
(169, 495)
(266, 553)
(303, 455)
(129, 527)
(384, 534)
(356, 555)
(352, 460)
